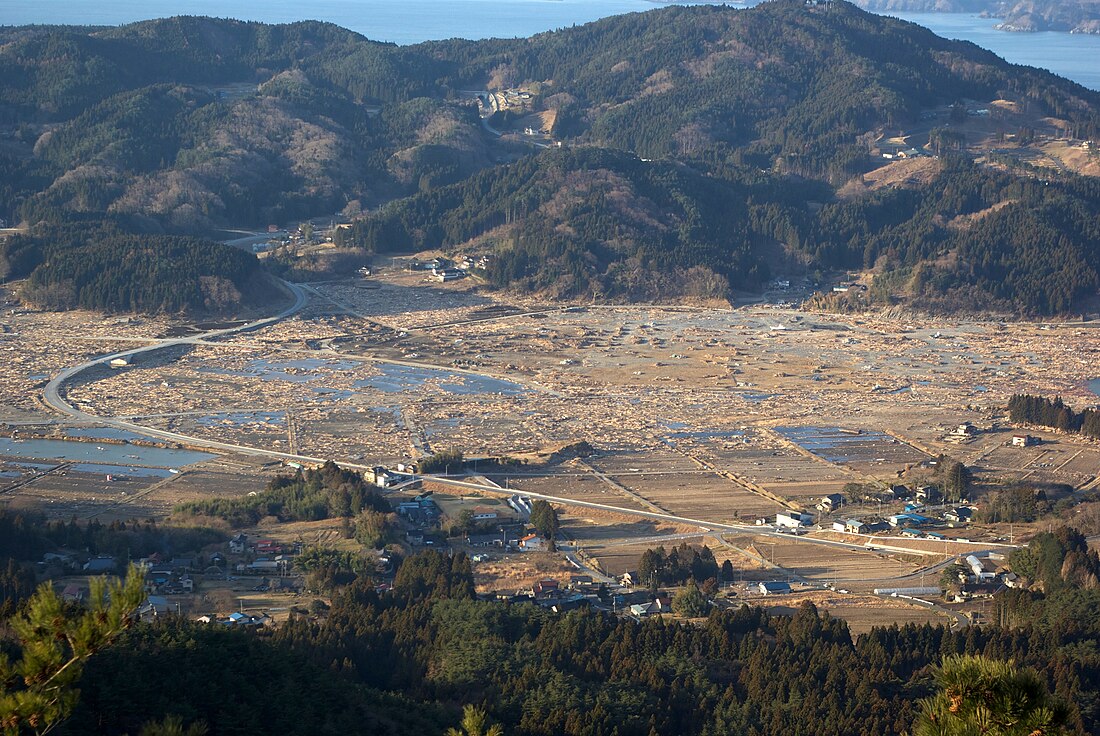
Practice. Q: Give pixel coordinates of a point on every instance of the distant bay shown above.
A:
(1074, 56)
(397, 21)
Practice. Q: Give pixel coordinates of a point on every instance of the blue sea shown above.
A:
(1074, 56)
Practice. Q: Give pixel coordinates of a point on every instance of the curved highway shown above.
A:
(53, 394)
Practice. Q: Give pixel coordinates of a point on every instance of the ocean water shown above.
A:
(398, 21)
(1075, 56)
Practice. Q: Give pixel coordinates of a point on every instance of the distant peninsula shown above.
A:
(1072, 16)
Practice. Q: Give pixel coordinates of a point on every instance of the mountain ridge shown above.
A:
(241, 123)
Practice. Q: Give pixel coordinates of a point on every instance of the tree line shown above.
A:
(98, 265)
(309, 495)
(1027, 409)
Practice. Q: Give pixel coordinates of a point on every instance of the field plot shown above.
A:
(825, 563)
(207, 482)
(852, 446)
(89, 491)
(64, 494)
(1053, 461)
(861, 612)
(783, 471)
(576, 487)
(603, 534)
(616, 559)
(705, 497)
(513, 572)
(376, 433)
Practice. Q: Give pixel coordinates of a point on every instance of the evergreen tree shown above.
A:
(38, 692)
(545, 519)
(474, 722)
(979, 696)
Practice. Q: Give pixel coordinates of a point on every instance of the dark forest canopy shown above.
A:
(404, 658)
(747, 122)
(404, 661)
(589, 221)
(97, 265)
(1053, 413)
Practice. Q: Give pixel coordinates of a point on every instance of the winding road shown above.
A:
(53, 393)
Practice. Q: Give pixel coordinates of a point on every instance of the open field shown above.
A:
(861, 613)
(718, 416)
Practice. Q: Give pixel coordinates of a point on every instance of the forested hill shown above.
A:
(100, 266)
(758, 125)
(779, 84)
(196, 123)
(589, 222)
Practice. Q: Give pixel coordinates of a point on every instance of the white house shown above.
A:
(793, 519)
(532, 543)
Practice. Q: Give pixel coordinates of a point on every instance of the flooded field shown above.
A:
(722, 417)
(847, 446)
(106, 455)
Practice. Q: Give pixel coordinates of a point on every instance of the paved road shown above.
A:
(54, 397)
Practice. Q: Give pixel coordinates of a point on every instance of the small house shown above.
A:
(897, 493)
(580, 581)
(831, 502)
(73, 593)
(774, 588)
(978, 569)
(908, 520)
(154, 605)
(855, 526)
(928, 494)
(444, 275)
(481, 513)
(545, 586)
(490, 539)
(101, 566)
(1023, 440)
(960, 515)
(238, 544)
(182, 564)
(793, 519)
(532, 543)
(382, 476)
